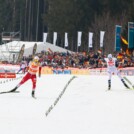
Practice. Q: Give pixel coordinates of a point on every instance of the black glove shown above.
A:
(39, 75)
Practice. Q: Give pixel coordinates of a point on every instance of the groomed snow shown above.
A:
(86, 107)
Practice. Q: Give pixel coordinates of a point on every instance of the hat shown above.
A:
(36, 58)
(109, 56)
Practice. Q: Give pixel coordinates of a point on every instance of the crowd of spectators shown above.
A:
(80, 59)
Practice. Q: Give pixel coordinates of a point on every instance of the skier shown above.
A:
(22, 67)
(111, 68)
(33, 68)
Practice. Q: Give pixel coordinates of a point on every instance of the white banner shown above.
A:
(79, 39)
(54, 38)
(44, 37)
(101, 38)
(90, 40)
(66, 39)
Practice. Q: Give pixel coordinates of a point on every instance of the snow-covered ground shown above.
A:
(86, 107)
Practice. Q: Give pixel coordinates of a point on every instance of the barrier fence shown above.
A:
(76, 71)
(9, 71)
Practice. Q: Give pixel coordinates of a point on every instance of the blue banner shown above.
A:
(117, 38)
(130, 35)
(61, 71)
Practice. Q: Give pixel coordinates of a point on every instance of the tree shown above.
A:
(106, 23)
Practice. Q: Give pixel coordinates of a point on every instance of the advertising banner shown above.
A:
(66, 39)
(117, 38)
(101, 38)
(79, 39)
(54, 38)
(7, 75)
(90, 40)
(44, 37)
(130, 35)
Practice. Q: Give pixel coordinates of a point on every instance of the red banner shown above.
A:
(7, 75)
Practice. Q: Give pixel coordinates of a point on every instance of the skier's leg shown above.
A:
(109, 80)
(119, 75)
(19, 70)
(24, 79)
(34, 80)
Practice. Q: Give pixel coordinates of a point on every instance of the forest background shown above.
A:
(33, 17)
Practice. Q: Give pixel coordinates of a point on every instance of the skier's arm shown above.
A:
(105, 59)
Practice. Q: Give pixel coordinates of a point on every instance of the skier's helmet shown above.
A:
(36, 59)
(109, 56)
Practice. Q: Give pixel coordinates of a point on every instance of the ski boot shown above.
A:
(33, 93)
(109, 84)
(14, 89)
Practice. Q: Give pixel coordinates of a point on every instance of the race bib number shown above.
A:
(110, 63)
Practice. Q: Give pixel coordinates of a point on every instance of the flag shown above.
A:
(117, 38)
(66, 39)
(54, 38)
(101, 38)
(120, 56)
(131, 35)
(21, 53)
(99, 51)
(49, 50)
(128, 53)
(90, 40)
(79, 39)
(34, 49)
(124, 41)
(44, 37)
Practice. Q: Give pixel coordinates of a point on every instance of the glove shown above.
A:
(40, 71)
(39, 75)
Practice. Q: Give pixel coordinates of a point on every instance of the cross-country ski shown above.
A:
(5, 92)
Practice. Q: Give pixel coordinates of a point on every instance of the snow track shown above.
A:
(85, 107)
